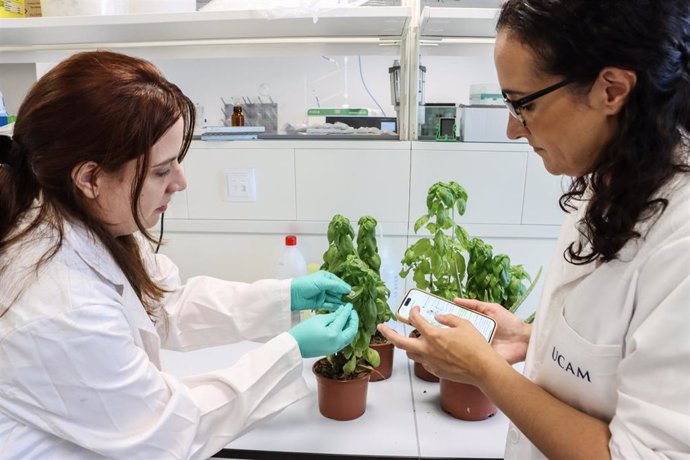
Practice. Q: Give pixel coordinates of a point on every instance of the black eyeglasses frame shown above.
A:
(515, 106)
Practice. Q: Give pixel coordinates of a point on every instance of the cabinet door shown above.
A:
(494, 181)
(352, 182)
(274, 175)
(542, 192)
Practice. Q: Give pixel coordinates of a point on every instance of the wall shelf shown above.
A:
(448, 23)
(36, 39)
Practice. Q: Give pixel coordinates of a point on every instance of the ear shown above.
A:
(612, 88)
(84, 176)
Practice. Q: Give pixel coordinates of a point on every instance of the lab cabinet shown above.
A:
(492, 175)
(353, 182)
(209, 169)
(542, 191)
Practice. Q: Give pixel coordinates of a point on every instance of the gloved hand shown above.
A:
(318, 290)
(326, 334)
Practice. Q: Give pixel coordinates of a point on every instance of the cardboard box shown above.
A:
(20, 8)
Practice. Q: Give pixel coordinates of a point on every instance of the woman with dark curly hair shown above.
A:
(601, 91)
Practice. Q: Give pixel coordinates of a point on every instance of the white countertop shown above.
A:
(403, 418)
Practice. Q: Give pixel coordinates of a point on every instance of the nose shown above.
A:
(179, 183)
(515, 130)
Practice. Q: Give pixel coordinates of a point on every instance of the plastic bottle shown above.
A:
(237, 118)
(390, 270)
(290, 265)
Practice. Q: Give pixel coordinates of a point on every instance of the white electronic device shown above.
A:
(430, 305)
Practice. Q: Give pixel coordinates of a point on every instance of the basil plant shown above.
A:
(360, 269)
(450, 264)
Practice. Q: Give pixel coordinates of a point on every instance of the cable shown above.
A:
(160, 238)
(361, 76)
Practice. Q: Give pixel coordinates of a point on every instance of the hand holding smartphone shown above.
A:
(430, 305)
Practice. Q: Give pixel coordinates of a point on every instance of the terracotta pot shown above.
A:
(421, 372)
(465, 402)
(385, 369)
(341, 399)
(419, 369)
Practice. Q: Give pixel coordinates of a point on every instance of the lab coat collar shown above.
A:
(92, 251)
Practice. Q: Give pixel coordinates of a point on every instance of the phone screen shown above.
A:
(431, 305)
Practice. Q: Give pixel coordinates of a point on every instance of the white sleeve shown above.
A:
(652, 418)
(207, 311)
(80, 376)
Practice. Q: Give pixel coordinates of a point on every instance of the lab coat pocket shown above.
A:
(581, 373)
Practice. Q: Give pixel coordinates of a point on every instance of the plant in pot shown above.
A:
(342, 377)
(367, 249)
(450, 264)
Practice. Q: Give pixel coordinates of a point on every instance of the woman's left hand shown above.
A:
(458, 352)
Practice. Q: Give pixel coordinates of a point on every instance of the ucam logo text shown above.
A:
(567, 366)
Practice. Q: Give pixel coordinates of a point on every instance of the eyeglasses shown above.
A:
(515, 106)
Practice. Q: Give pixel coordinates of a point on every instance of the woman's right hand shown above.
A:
(512, 334)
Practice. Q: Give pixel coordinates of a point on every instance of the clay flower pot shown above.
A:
(465, 402)
(385, 369)
(419, 369)
(341, 399)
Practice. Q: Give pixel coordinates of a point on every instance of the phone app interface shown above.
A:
(431, 306)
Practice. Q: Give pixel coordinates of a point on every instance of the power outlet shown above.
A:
(240, 184)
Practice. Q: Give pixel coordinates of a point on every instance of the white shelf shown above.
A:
(464, 23)
(35, 39)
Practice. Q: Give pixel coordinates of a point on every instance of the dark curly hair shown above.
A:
(576, 39)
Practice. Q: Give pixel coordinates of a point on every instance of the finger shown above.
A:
(417, 357)
(331, 306)
(337, 299)
(352, 325)
(336, 287)
(340, 317)
(476, 305)
(418, 321)
(404, 343)
(449, 320)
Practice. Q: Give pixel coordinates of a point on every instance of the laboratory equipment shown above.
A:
(389, 124)
(446, 130)
(394, 74)
(484, 123)
(433, 112)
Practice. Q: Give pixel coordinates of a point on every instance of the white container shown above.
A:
(290, 265)
(486, 94)
(161, 6)
(84, 7)
(485, 123)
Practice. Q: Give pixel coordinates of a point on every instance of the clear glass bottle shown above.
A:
(237, 118)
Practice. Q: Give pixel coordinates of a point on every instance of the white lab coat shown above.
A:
(80, 376)
(613, 339)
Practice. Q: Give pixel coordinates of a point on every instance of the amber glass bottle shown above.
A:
(237, 118)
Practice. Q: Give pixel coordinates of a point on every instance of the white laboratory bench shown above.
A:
(403, 419)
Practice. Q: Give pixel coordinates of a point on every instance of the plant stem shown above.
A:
(455, 262)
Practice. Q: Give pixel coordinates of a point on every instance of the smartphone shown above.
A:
(430, 305)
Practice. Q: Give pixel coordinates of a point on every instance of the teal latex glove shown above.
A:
(326, 334)
(318, 290)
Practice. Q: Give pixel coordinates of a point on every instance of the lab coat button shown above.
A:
(513, 435)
